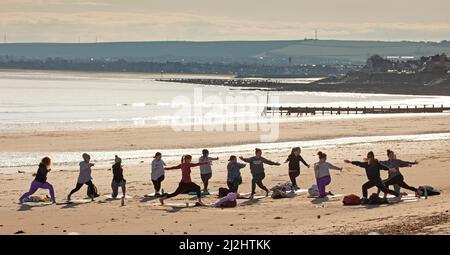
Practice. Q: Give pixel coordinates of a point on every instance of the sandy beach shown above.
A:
(166, 137)
(298, 215)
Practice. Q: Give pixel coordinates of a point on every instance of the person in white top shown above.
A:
(85, 177)
(157, 175)
(206, 170)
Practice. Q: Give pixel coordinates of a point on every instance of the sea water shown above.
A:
(48, 102)
(54, 103)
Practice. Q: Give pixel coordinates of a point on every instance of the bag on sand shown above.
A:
(223, 192)
(228, 201)
(430, 191)
(281, 191)
(351, 200)
(374, 199)
(313, 191)
(92, 192)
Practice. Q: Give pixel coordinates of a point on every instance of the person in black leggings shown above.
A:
(84, 177)
(294, 160)
(395, 176)
(373, 167)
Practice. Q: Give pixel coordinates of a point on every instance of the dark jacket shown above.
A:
(372, 171)
(117, 172)
(41, 175)
(294, 162)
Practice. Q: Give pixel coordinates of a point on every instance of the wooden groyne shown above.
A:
(300, 111)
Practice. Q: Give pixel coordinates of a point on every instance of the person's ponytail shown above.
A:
(321, 155)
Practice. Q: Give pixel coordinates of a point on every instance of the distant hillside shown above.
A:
(265, 52)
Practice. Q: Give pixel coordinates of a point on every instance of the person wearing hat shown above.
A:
(85, 177)
(157, 175)
(234, 178)
(118, 180)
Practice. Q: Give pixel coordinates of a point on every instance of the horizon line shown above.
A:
(213, 41)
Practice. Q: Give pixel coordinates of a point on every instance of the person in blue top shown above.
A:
(234, 178)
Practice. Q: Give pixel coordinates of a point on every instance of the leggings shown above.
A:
(35, 185)
(115, 187)
(79, 185)
(292, 176)
(322, 183)
(234, 185)
(398, 180)
(379, 184)
(205, 180)
(257, 180)
(157, 183)
(184, 187)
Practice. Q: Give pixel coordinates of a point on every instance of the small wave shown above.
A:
(22, 159)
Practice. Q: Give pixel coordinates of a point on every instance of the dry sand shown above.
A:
(166, 138)
(299, 215)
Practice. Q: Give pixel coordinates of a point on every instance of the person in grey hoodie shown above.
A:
(257, 170)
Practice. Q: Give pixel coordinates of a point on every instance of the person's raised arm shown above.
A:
(245, 159)
(331, 166)
(173, 167)
(356, 163)
(199, 163)
(270, 162)
(406, 163)
(304, 162)
(240, 165)
(216, 158)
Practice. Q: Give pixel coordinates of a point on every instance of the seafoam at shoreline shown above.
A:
(13, 161)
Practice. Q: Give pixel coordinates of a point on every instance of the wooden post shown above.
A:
(323, 110)
(364, 111)
(348, 110)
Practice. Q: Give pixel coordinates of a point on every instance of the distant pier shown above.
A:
(301, 111)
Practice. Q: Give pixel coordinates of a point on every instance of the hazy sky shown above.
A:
(206, 20)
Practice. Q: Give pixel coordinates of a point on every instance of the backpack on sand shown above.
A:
(92, 192)
(351, 200)
(223, 192)
(374, 199)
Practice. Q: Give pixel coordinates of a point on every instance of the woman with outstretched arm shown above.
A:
(373, 167)
(186, 184)
(257, 170)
